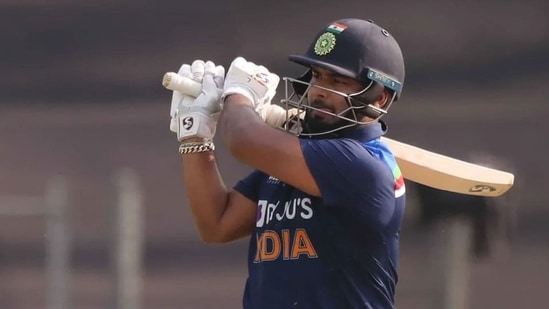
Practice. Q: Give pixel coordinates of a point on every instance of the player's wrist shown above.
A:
(188, 147)
(238, 95)
(194, 139)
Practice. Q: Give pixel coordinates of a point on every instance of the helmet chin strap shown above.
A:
(363, 99)
(372, 112)
(375, 112)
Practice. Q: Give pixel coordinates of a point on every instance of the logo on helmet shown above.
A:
(384, 80)
(325, 44)
(336, 27)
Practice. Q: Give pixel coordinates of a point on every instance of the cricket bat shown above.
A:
(416, 164)
(446, 173)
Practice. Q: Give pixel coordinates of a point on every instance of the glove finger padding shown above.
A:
(248, 79)
(185, 71)
(219, 76)
(218, 73)
(198, 69)
(198, 119)
(210, 90)
(179, 98)
(209, 67)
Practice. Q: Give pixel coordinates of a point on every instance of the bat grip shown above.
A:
(185, 85)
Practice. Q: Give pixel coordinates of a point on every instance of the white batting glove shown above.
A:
(197, 117)
(180, 99)
(252, 81)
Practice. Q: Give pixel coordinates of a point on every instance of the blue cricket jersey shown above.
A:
(337, 251)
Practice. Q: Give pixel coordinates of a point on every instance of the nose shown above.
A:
(315, 92)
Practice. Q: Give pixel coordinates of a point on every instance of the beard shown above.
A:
(315, 124)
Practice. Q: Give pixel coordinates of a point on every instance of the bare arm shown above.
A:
(221, 214)
(259, 145)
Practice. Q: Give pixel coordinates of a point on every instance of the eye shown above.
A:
(341, 81)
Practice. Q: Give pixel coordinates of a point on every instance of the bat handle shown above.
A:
(185, 85)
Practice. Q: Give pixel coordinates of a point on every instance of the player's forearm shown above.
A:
(207, 194)
(237, 122)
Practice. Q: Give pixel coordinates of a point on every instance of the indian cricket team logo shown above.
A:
(325, 44)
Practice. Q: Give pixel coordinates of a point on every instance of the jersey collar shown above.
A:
(368, 132)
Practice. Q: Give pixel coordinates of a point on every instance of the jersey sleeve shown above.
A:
(249, 186)
(347, 174)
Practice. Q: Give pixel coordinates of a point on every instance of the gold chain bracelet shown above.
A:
(196, 147)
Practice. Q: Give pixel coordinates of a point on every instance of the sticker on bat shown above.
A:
(482, 188)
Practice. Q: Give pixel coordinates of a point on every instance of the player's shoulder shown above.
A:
(334, 147)
(378, 148)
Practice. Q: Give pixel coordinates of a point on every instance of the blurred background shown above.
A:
(92, 210)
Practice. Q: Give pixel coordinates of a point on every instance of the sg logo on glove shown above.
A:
(187, 123)
(188, 126)
(262, 78)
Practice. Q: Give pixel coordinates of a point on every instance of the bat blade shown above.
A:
(446, 173)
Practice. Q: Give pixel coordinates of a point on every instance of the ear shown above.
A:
(383, 98)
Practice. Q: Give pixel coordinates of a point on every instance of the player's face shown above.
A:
(329, 101)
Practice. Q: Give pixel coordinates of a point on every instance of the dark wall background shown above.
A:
(80, 96)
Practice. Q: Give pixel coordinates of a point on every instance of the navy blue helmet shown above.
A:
(358, 49)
